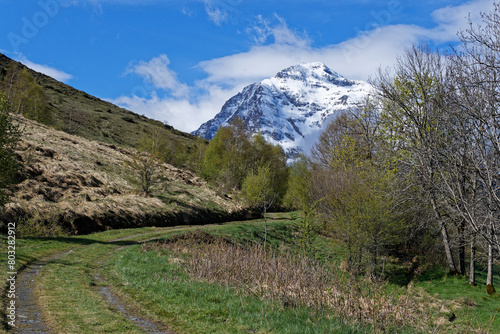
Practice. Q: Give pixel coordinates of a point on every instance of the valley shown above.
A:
(311, 203)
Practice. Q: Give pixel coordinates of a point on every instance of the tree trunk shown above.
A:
(446, 239)
(489, 277)
(461, 247)
(447, 249)
(265, 226)
(472, 270)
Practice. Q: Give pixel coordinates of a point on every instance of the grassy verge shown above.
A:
(470, 306)
(158, 279)
(202, 307)
(28, 250)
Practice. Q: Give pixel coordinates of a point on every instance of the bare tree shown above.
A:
(415, 101)
(146, 163)
(443, 112)
(477, 78)
(75, 120)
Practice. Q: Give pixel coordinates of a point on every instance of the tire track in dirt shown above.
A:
(117, 304)
(30, 315)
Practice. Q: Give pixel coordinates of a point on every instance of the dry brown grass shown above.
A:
(84, 186)
(294, 281)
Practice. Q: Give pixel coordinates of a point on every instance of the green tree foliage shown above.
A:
(228, 157)
(419, 122)
(354, 190)
(271, 156)
(233, 154)
(262, 189)
(26, 96)
(297, 195)
(9, 136)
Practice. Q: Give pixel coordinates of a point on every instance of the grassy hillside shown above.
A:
(74, 185)
(79, 113)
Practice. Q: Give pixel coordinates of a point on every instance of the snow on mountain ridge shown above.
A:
(291, 108)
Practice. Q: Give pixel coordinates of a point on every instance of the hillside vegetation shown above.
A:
(73, 185)
(79, 170)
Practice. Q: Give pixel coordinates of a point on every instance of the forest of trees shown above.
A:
(419, 159)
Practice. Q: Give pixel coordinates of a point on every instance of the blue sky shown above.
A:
(179, 61)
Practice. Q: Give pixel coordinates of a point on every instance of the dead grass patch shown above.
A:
(295, 281)
(84, 186)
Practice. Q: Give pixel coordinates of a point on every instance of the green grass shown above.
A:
(471, 304)
(59, 277)
(72, 305)
(284, 233)
(199, 307)
(452, 295)
(160, 290)
(164, 290)
(67, 289)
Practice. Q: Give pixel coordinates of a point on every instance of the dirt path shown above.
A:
(28, 312)
(30, 315)
(120, 306)
(117, 304)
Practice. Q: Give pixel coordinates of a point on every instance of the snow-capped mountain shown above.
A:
(291, 108)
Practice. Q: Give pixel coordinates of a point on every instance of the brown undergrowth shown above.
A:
(295, 281)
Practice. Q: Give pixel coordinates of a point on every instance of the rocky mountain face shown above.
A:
(291, 108)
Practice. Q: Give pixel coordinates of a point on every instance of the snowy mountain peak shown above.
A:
(291, 108)
(312, 71)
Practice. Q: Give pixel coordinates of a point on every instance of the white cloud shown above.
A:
(182, 114)
(276, 28)
(50, 71)
(357, 58)
(215, 13)
(452, 19)
(157, 73)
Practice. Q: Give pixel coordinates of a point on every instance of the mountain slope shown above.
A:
(291, 108)
(77, 186)
(79, 113)
(80, 180)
